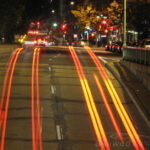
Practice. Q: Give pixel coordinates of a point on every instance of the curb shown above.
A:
(128, 92)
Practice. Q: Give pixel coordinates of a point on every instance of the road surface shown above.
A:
(65, 99)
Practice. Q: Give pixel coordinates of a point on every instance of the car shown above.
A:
(40, 41)
(107, 46)
(118, 47)
(146, 43)
(83, 43)
(111, 46)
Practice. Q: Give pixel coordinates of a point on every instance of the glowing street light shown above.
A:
(72, 3)
(53, 11)
(55, 25)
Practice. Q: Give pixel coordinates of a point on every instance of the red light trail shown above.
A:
(39, 137)
(13, 63)
(97, 124)
(5, 81)
(36, 137)
(108, 107)
(136, 141)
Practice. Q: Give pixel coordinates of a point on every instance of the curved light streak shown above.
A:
(112, 117)
(39, 137)
(136, 141)
(32, 101)
(7, 99)
(100, 133)
(5, 81)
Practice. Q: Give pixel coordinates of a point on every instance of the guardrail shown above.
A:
(137, 54)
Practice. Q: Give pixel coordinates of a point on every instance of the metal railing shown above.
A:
(137, 54)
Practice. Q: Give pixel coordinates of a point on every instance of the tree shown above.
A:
(86, 15)
(17, 15)
(115, 13)
(138, 17)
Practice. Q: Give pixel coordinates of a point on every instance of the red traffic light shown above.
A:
(104, 22)
(38, 23)
(63, 26)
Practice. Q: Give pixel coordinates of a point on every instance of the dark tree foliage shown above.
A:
(138, 17)
(16, 15)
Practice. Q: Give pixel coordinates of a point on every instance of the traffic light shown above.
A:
(92, 34)
(106, 31)
(100, 27)
(55, 25)
(38, 23)
(65, 32)
(104, 22)
(63, 26)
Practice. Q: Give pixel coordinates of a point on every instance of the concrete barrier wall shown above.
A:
(137, 54)
(142, 72)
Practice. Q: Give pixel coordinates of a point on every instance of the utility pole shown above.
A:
(61, 9)
(125, 26)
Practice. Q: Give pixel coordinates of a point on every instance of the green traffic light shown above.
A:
(55, 25)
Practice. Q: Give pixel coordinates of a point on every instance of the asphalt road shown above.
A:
(52, 101)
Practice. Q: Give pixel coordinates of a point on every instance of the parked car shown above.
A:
(119, 47)
(146, 43)
(107, 46)
(111, 47)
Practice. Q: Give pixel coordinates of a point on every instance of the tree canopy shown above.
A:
(17, 15)
(115, 13)
(86, 15)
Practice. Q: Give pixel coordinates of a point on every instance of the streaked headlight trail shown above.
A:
(136, 141)
(97, 124)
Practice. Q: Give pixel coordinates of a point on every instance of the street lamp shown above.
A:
(53, 11)
(125, 26)
(72, 3)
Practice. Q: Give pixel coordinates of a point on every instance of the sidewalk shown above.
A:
(139, 95)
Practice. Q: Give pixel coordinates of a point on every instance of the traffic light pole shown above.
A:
(125, 26)
(61, 9)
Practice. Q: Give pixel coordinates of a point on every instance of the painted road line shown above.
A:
(49, 68)
(52, 89)
(59, 130)
(103, 60)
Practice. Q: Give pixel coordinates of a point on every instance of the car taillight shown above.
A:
(39, 40)
(35, 42)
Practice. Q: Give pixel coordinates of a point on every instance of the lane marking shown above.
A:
(107, 58)
(103, 60)
(58, 129)
(52, 89)
(49, 68)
